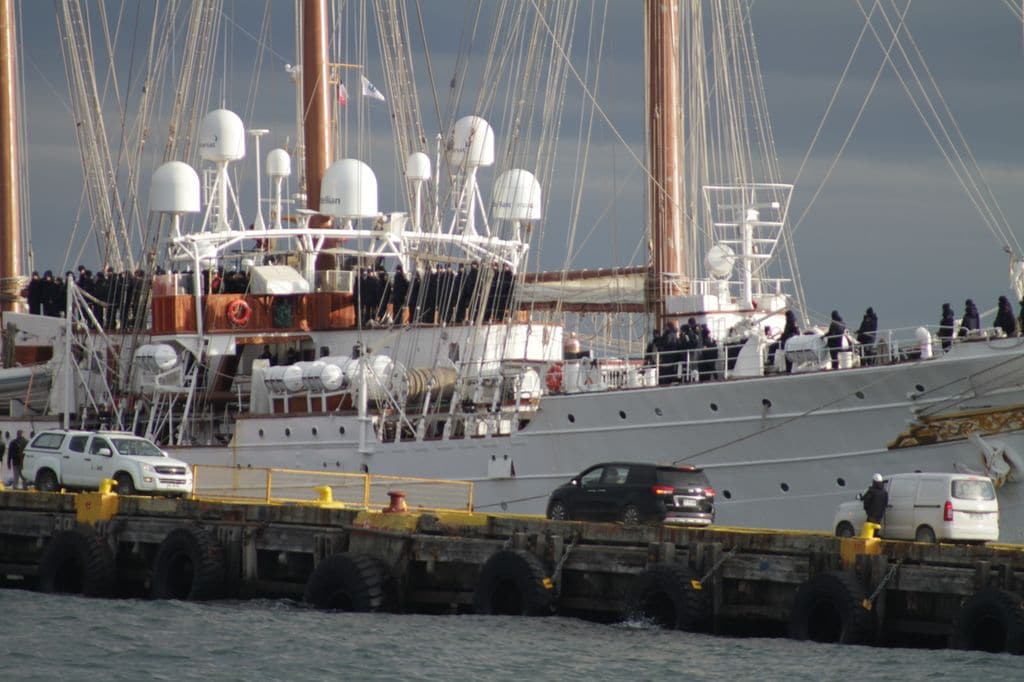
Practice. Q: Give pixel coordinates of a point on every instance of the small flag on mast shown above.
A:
(369, 90)
(342, 94)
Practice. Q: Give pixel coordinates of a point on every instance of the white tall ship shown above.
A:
(483, 377)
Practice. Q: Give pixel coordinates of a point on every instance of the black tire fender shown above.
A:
(77, 561)
(513, 582)
(830, 608)
(189, 566)
(350, 582)
(664, 594)
(991, 620)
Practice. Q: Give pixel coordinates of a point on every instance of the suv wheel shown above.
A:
(631, 515)
(558, 511)
(125, 484)
(46, 481)
(844, 530)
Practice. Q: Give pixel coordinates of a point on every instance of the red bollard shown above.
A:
(398, 504)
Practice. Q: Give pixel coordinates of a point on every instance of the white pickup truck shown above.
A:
(57, 459)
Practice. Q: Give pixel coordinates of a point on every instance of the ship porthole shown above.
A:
(341, 430)
(919, 387)
(657, 411)
(714, 407)
(288, 433)
(727, 494)
(572, 419)
(314, 430)
(785, 487)
(860, 395)
(622, 414)
(767, 403)
(841, 482)
(261, 433)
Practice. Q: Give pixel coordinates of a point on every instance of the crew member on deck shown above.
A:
(834, 337)
(866, 334)
(946, 327)
(1004, 317)
(972, 320)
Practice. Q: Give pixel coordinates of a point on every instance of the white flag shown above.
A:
(369, 90)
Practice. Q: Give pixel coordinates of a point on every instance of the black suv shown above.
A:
(636, 493)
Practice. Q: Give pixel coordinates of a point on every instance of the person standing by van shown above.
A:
(875, 499)
(16, 456)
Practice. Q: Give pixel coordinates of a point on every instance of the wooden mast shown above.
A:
(664, 120)
(315, 104)
(10, 210)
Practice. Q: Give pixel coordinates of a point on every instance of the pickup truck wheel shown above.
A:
(46, 481)
(125, 484)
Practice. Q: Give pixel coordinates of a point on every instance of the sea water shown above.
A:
(55, 637)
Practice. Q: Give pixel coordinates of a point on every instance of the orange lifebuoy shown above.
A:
(239, 312)
(554, 377)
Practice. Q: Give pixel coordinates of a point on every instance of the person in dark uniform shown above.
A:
(834, 337)
(1004, 317)
(972, 320)
(34, 293)
(946, 325)
(399, 294)
(789, 331)
(16, 457)
(875, 499)
(866, 334)
(268, 355)
(671, 354)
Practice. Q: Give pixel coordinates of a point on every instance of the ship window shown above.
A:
(622, 414)
(288, 432)
(572, 419)
(657, 411)
(261, 433)
(727, 494)
(785, 487)
(860, 395)
(920, 388)
(341, 430)
(767, 403)
(714, 407)
(314, 430)
(841, 482)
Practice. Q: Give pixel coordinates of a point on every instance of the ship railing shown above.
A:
(327, 488)
(889, 347)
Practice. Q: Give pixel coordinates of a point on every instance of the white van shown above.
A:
(931, 508)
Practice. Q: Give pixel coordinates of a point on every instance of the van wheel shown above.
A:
(125, 484)
(844, 530)
(46, 481)
(925, 534)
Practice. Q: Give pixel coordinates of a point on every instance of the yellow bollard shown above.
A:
(868, 529)
(325, 494)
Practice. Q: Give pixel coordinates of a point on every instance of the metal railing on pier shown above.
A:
(355, 491)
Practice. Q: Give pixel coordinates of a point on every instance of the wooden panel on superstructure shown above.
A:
(319, 311)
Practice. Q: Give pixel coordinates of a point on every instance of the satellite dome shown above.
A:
(349, 190)
(222, 136)
(517, 196)
(279, 164)
(417, 166)
(719, 261)
(471, 143)
(174, 189)
(156, 357)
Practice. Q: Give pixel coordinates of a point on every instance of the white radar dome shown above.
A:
(349, 190)
(222, 136)
(471, 143)
(174, 189)
(719, 261)
(517, 196)
(417, 166)
(279, 163)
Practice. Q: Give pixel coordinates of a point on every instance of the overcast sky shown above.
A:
(892, 229)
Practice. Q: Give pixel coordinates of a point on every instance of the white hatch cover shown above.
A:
(276, 279)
